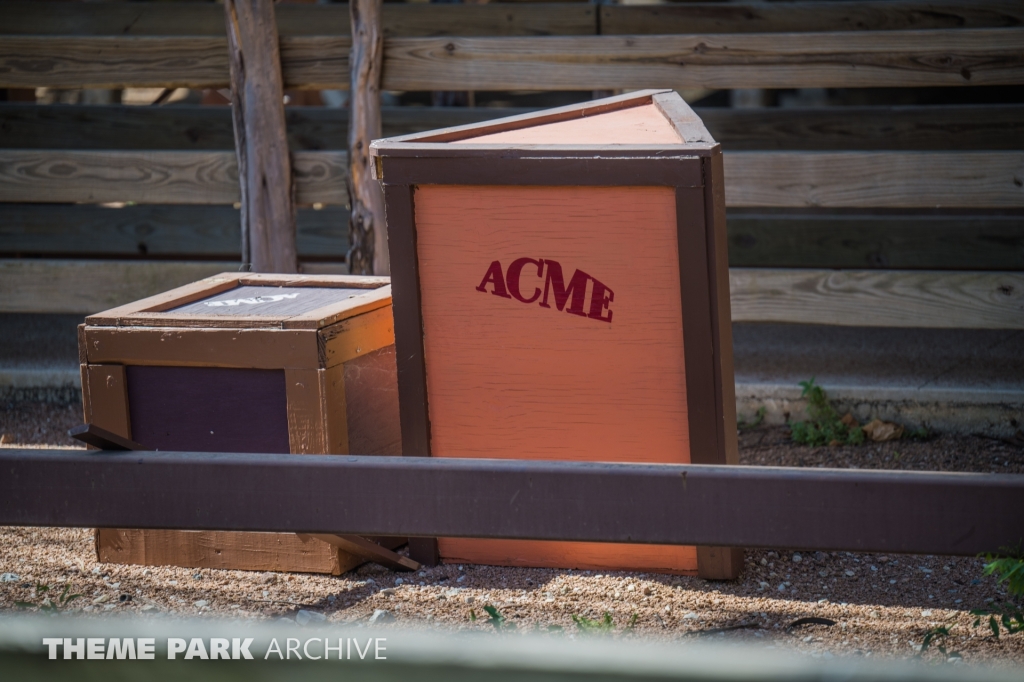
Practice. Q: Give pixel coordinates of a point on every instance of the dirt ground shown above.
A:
(881, 606)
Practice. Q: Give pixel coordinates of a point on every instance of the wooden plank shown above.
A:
(959, 127)
(166, 231)
(154, 177)
(993, 179)
(879, 298)
(261, 144)
(987, 179)
(767, 60)
(888, 240)
(222, 549)
(999, 126)
(360, 546)
(83, 286)
(761, 17)
(367, 229)
(307, 419)
(201, 18)
(105, 392)
(764, 60)
(185, 127)
(357, 336)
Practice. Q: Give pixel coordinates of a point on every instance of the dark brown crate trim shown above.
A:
(827, 509)
(590, 170)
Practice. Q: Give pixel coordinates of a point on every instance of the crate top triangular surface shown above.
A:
(649, 117)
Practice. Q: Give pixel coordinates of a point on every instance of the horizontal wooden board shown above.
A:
(993, 179)
(203, 18)
(89, 286)
(892, 298)
(767, 17)
(989, 179)
(162, 231)
(169, 177)
(902, 241)
(1001, 126)
(879, 298)
(205, 128)
(791, 239)
(766, 60)
(761, 60)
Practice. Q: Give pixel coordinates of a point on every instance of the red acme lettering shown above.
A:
(549, 287)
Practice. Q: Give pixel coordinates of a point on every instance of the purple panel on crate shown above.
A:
(208, 409)
(268, 301)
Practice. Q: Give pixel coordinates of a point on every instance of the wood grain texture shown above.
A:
(594, 556)
(227, 550)
(864, 15)
(991, 179)
(508, 379)
(199, 128)
(105, 398)
(766, 60)
(367, 231)
(309, 398)
(371, 403)
(261, 144)
(84, 286)
(939, 57)
(183, 347)
(950, 241)
(880, 298)
(200, 18)
(356, 336)
(635, 125)
(154, 177)
(166, 231)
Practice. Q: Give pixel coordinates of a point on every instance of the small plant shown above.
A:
(587, 626)
(1008, 616)
(50, 605)
(937, 636)
(758, 420)
(825, 426)
(495, 619)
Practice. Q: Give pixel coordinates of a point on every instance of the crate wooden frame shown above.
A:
(693, 169)
(311, 348)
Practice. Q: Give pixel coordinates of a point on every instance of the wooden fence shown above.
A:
(931, 232)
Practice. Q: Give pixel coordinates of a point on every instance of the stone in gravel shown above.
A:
(849, 573)
(148, 607)
(398, 581)
(926, 613)
(100, 599)
(820, 556)
(469, 599)
(647, 590)
(388, 591)
(823, 572)
(690, 616)
(382, 616)
(201, 603)
(9, 578)
(797, 558)
(304, 617)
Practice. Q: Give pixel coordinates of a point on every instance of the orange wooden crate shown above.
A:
(298, 364)
(561, 292)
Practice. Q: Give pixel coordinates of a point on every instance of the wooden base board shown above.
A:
(672, 559)
(222, 549)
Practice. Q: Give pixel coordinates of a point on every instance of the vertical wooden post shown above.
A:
(264, 166)
(368, 254)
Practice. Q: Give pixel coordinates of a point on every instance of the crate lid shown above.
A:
(254, 301)
(639, 121)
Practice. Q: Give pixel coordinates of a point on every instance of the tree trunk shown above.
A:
(264, 166)
(368, 254)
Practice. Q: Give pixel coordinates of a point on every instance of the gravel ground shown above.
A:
(880, 605)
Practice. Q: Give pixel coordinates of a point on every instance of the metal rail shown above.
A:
(741, 506)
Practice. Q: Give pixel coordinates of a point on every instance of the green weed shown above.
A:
(587, 626)
(49, 605)
(1009, 616)
(758, 420)
(825, 426)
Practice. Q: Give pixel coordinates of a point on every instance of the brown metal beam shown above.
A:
(828, 509)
